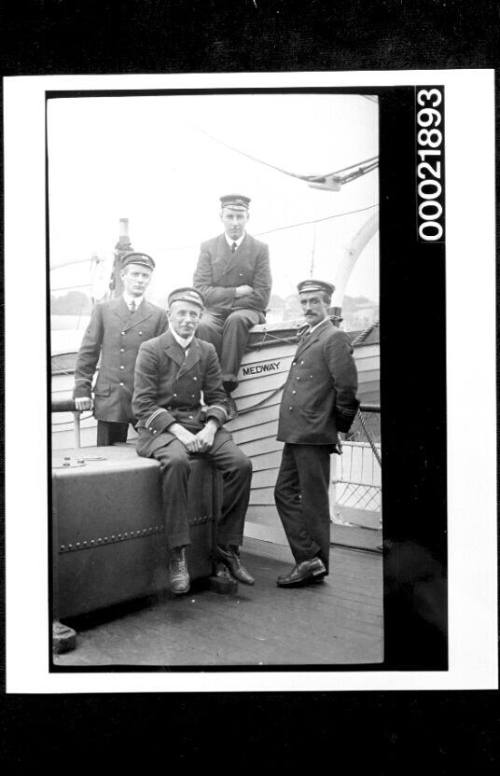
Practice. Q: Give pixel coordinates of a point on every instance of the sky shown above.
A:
(162, 162)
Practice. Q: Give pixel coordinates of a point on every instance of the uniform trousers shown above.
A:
(109, 433)
(228, 331)
(302, 500)
(236, 471)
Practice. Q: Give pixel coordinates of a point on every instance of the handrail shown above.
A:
(63, 405)
(68, 405)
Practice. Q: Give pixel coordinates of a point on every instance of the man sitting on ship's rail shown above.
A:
(171, 373)
(234, 276)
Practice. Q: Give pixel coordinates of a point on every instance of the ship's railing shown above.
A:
(68, 405)
(357, 473)
(288, 332)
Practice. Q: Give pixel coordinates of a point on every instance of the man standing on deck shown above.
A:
(319, 400)
(234, 277)
(115, 331)
(172, 373)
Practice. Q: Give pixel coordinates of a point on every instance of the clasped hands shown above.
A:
(195, 443)
(243, 290)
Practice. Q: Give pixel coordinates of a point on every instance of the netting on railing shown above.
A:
(357, 477)
(357, 474)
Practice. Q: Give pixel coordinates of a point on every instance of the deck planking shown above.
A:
(338, 622)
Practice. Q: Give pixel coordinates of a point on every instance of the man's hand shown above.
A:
(189, 440)
(206, 436)
(243, 290)
(84, 403)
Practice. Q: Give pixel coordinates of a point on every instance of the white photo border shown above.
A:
(471, 413)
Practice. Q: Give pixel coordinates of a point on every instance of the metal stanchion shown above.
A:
(76, 427)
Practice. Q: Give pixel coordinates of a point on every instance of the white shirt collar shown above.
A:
(128, 299)
(238, 241)
(183, 342)
(318, 325)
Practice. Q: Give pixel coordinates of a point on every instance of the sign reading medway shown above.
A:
(257, 369)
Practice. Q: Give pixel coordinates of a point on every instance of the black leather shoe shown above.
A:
(230, 558)
(303, 573)
(232, 410)
(229, 382)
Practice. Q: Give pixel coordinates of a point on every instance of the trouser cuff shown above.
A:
(178, 540)
(229, 539)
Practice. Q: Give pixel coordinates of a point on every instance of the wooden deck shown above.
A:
(338, 622)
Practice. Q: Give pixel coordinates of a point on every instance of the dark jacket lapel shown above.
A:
(223, 254)
(242, 257)
(143, 312)
(310, 339)
(119, 308)
(176, 353)
(245, 250)
(172, 348)
(305, 344)
(191, 359)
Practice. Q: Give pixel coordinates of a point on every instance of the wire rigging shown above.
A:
(317, 220)
(331, 180)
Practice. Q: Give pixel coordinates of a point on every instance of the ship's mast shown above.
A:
(122, 247)
(313, 252)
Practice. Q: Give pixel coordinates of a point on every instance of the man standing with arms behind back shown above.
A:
(234, 277)
(116, 330)
(319, 400)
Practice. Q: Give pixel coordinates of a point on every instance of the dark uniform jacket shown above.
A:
(319, 397)
(115, 334)
(168, 388)
(219, 272)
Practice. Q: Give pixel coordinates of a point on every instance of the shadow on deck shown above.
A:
(338, 622)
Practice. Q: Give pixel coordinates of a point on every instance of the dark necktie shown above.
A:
(233, 247)
(132, 307)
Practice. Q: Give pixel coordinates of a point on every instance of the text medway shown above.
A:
(273, 366)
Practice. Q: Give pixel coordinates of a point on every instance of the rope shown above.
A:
(267, 336)
(370, 440)
(262, 401)
(364, 334)
(290, 340)
(273, 338)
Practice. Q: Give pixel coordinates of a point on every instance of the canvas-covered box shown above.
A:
(108, 540)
